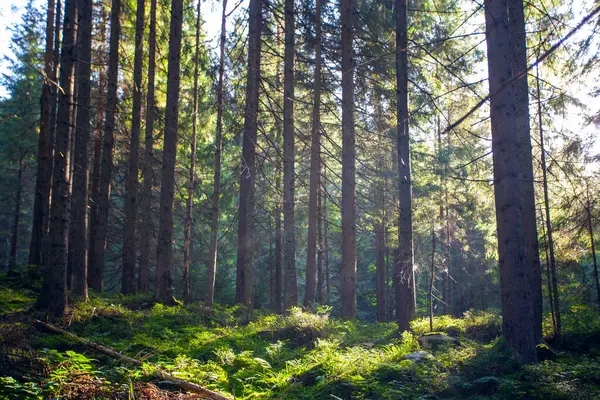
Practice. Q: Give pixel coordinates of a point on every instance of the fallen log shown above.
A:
(158, 373)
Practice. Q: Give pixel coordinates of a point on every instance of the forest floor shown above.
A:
(264, 356)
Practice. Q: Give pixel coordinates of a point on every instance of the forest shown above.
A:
(300, 199)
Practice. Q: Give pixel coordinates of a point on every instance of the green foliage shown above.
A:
(10, 389)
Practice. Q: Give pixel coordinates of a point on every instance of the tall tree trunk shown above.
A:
(79, 210)
(590, 228)
(380, 269)
(60, 209)
(14, 240)
(289, 223)
(245, 260)
(147, 227)
(549, 230)
(101, 228)
(278, 245)
(315, 171)
(94, 281)
(514, 285)
(43, 299)
(380, 228)
(44, 156)
(164, 251)
(348, 268)
(128, 283)
(548, 280)
(320, 282)
(325, 233)
(431, 277)
(404, 280)
(191, 180)
(518, 39)
(214, 222)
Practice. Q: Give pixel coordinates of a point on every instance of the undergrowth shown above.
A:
(260, 356)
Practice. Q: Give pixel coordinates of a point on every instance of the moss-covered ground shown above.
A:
(304, 355)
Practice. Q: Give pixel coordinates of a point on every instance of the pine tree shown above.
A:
(515, 290)
(164, 252)
(128, 284)
(245, 262)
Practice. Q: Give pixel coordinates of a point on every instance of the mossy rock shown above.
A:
(418, 356)
(435, 340)
(296, 337)
(487, 386)
(544, 352)
(310, 377)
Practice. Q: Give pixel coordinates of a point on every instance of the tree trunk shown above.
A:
(101, 228)
(245, 260)
(128, 284)
(94, 281)
(79, 210)
(348, 268)
(403, 275)
(380, 270)
(164, 251)
(431, 277)
(590, 229)
(45, 144)
(278, 243)
(548, 280)
(43, 299)
(521, 92)
(147, 227)
(514, 285)
(191, 180)
(558, 330)
(325, 234)
(214, 222)
(60, 208)
(320, 295)
(289, 223)
(14, 240)
(315, 150)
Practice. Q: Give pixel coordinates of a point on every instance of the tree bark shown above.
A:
(590, 228)
(14, 240)
(380, 270)
(514, 268)
(549, 230)
(45, 144)
(521, 92)
(315, 168)
(548, 280)
(348, 269)
(94, 281)
(191, 180)
(403, 275)
(79, 210)
(431, 277)
(60, 208)
(164, 251)
(278, 243)
(44, 257)
(214, 222)
(320, 295)
(128, 283)
(147, 227)
(245, 259)
(106, 168)
(289, 223)
(325, 234)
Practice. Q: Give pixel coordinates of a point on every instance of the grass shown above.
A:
(261, 356)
